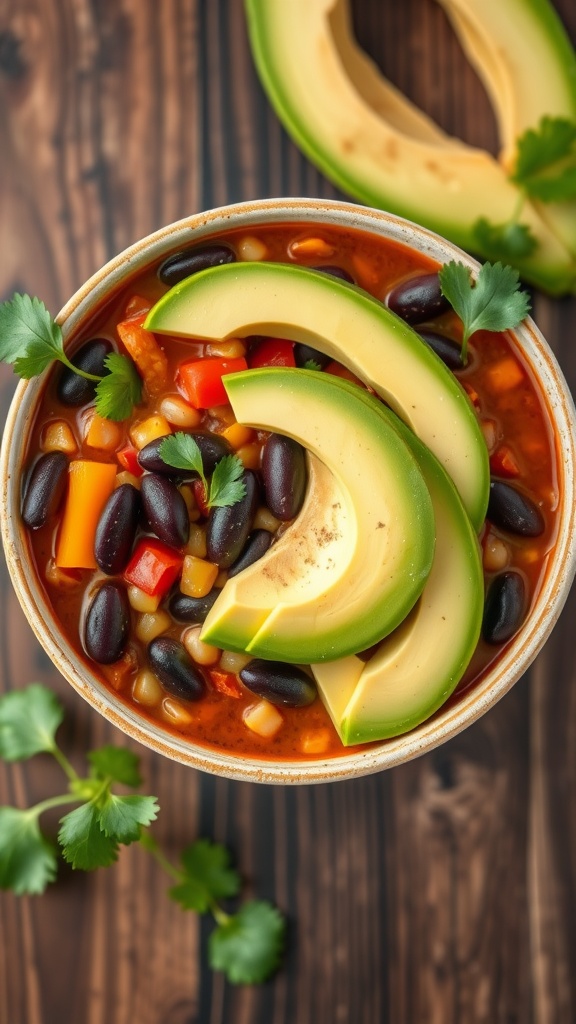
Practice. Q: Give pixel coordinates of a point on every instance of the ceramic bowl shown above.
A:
(443, 725)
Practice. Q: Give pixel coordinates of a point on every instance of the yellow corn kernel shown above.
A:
(178, 412)
(316, 742)
(496, 554)
(311, 247)
(148, 430)
(57, 436)
(191, 504)
(198, 576)
(230, 661)
(176, 713)
(251, 249)
(102, 433)
(127, 478)
(152, 624)
(221, 579)
(142, 602)
(146, 689)
(201, 653)
(237, 435)
(232, 348)
(196, 541)
(263, 719)
(264, 520)
(249, 455)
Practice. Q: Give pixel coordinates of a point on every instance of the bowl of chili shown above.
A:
(74, 601)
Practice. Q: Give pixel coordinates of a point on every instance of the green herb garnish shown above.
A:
(247, 945)
(31, 340)
(546, 160)
(226, 486)
(491, 303)
(507, 241)
(311, 364)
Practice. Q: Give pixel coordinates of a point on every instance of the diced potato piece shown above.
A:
(179, 412)
(237, 435)
(152, 624)
(249, 455)
(263, 719)
(196, 541)
(142, 602)
(58, 436)
(316, 742)
(147, 690)
(198, 576)
(201, 653)
(148, 430)
(102, 433)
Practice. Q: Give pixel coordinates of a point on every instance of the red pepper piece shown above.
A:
(503, 463)
(154, 567)
(272, 352)
(226, 683)
(201, 497)
(200, 380)
(128, 458)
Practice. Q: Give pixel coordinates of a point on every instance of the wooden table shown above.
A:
(443, 891)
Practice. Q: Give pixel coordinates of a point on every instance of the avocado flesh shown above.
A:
(447, 187)
(356, 559)
(416, 668)
(505, 42)
(347, 324)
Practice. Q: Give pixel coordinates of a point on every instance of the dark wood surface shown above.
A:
(442, 892)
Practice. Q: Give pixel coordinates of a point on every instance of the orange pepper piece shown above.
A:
(90, 484)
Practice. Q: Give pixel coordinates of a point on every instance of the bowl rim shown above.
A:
(447, 722)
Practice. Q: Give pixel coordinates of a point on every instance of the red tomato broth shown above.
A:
(521, 422)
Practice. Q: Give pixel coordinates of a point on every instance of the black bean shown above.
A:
(256, 546)
(449, 351)
(284, 475)
(116, 529)
(418, 299)
(191, 609)
(75, 390)
(228, 528)
(511, 510)
(505, 608)
(212, 448)
(281, 684)
(338, 272)
(170, 661)
(304, 353)
(190, 261)
(165, 510)
(45, 489)
(107, 624)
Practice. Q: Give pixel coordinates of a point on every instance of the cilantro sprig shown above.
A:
(31, 340)
(545, 166)
(493, 302)
(247, 945)
(226, 486)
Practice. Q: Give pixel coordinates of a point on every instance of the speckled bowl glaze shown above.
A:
(443, 725)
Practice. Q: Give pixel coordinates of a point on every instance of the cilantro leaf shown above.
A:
(116, 763)
(546, 160)
(84, 844)
(492, 303)
(248, 946)
(181, 451)
(27, 859)
(208, 876)
(509, 241)
(120, 390)
(226, 487)
(122, 817)
(28, 722)
(25, 320)
(311, 364)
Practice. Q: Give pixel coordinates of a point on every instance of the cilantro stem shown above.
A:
(76, 369)
(219, 915)
(64, 763)
(53, 801)
(149, 843)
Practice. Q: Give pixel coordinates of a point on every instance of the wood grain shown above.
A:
(443, 892)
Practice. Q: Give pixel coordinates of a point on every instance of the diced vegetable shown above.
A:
(263, 719)
(90, 486)
(201, 380)
(128, 458)
(226, 683)
(58, 437)
(272, 352)
(154, 567)
(143, 348)
(148, 430)
(198, 576)
(102, 433)
(503, 463)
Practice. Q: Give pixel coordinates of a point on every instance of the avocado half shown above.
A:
(416, 668)
(346, 323)
(355, 561)
(377, 146)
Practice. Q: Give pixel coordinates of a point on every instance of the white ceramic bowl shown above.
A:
(446, 723)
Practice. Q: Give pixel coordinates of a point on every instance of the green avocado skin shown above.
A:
(556, 279)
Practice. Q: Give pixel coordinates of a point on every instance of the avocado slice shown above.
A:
(355, 561)
(349, 325)
(377, 147)
(416, 668)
